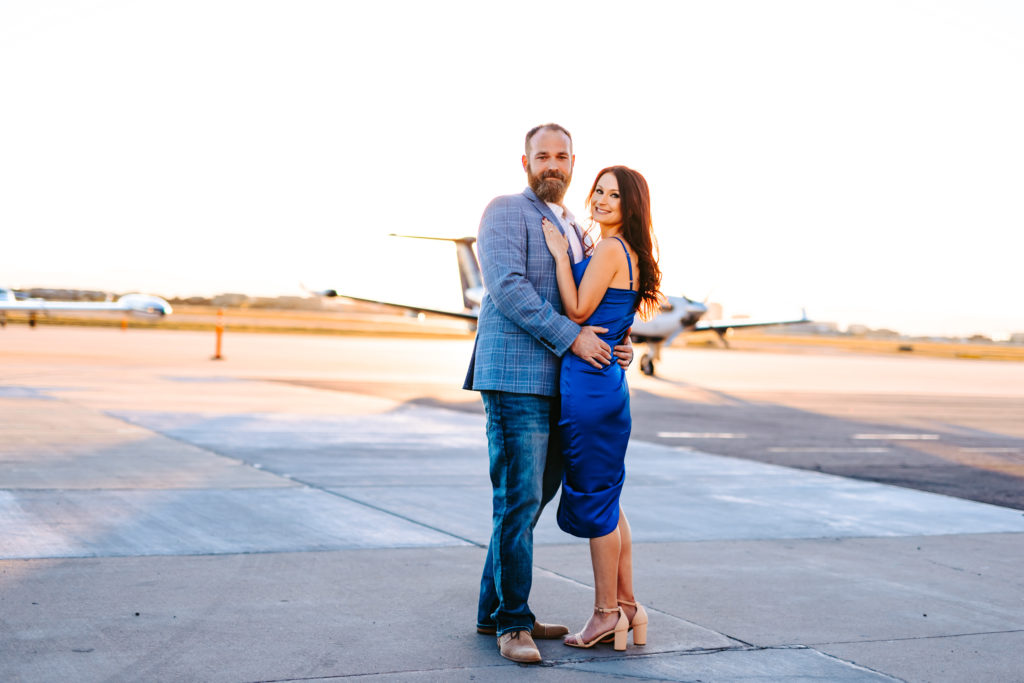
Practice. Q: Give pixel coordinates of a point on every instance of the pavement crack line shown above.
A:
(858, 666)
(649, 608)
(393, 514)
(910, 638)
(571, 662)
(504, 664)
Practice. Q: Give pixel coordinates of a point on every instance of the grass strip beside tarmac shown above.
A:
(753, 341)
(375, 324)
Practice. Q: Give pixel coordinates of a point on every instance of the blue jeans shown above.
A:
(526, 472)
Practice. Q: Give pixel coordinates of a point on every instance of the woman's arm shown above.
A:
(579, 304)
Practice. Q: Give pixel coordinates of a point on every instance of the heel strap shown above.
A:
(626, 602)
(606, 610)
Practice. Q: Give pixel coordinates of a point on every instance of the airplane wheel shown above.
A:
(647, 366)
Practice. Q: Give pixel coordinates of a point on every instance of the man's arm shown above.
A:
(502, 248)
(590, 348)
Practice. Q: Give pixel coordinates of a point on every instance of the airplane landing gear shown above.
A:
(652, 354)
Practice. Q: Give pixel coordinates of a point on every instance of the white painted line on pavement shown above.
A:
(897, 437)
(700, 435)
(993, 449)
(826, 449)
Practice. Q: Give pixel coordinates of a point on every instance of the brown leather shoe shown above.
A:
(549, 631)
(519, 647)
(540, 631)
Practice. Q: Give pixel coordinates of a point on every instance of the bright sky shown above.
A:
(862, 159)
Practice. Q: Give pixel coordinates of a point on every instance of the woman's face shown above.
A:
(604, 203)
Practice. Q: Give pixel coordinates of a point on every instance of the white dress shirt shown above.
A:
(572, 233)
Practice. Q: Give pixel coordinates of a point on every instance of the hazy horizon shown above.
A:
(859, 160)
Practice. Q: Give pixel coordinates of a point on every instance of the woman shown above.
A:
(605, 289)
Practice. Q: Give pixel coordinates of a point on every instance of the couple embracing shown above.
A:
(551, 351)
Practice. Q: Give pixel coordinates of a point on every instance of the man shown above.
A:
(521, 335)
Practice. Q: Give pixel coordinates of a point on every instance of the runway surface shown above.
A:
(307, 506)
(948, 426)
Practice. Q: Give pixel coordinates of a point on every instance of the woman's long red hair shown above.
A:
(635, 204)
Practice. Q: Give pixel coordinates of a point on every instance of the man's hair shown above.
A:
(546, 126)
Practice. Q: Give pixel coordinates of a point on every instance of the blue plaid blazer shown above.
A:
(521, 333)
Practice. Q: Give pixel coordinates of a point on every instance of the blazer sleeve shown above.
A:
(502, 246)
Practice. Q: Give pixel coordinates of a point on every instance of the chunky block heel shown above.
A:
(640, 634)
(639, 623)
(620, 636)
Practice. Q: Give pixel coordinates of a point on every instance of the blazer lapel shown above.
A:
(545, 211)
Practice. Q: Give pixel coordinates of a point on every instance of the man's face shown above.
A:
(549, 164)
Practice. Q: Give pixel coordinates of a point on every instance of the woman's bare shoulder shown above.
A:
(610, 248)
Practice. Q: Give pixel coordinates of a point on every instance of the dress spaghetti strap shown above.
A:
(629, 261)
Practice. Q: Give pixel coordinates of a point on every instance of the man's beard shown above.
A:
(550, 186)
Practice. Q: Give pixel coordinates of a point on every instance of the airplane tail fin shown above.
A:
(469, 267)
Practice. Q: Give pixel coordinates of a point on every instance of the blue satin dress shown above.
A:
(595, 421)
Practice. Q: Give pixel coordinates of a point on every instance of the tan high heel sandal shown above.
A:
(617, 634)
(638, 625)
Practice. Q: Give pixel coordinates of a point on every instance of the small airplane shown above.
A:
(678, 313)
(142, 305)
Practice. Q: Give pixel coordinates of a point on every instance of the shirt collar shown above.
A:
(562, 213)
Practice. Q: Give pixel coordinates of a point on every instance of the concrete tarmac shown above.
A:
(312, 508)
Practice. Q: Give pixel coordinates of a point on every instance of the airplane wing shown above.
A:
(723, 325)
(140, 304)
(464, 315)
(469, 272)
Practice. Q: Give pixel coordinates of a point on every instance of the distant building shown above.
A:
(230, 300)
(816, 327)
(1017, 338)
(66, 294)
(192, 301)
(883, 333)
(288, 303)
